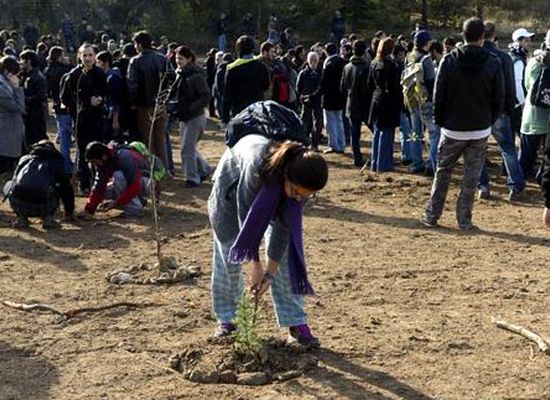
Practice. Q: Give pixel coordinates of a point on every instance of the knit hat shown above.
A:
(422, 37)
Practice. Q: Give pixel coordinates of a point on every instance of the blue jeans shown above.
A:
(423, 118)
(64, 132)
(415, 140)
(222, 42)
(503, 134)
(227, 288)
(168, 140)
(382, 149)
(355, 130)
(405, 130)
(335, 130)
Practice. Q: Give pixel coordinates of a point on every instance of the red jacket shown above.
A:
(131, 164)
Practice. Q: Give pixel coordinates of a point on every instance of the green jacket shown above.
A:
(535, 120)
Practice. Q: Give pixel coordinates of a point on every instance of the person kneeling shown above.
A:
(38, 183)
(121, 179)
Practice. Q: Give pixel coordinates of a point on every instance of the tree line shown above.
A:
(194, 20)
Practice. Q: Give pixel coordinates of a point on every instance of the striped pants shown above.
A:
(227, 289)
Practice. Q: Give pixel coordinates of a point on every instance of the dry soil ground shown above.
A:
(403, 312)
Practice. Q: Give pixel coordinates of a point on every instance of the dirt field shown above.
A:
(402, 312)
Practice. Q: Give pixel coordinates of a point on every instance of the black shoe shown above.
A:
(191, 185)
(406, 163)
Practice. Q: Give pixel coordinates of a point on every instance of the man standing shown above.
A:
(59, 65)
(338, 27)
(246, 80)
(116, 91)
(36, 93)
(31, 35)
(67, 28)
(308, 86)
(146, 72)
(221, 32)
(421, 108)
(519, 52)
(354, 83)
(502, 129)
(83, 92)
(469, 98)
(334, 100)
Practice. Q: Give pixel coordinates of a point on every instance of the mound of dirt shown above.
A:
(217, 362)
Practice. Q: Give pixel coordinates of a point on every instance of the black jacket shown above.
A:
(36, 94)
(354, 83)
(144, 77)
(191, 91)
(210, 70)
(77, 89)
(387, 97)
(246, 80)
(469, 90)
(53, 73)
(333, 97)
(24, 199)
(36, 90)
(508, 73)
(308, 86)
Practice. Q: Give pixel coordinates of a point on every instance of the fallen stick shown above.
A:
(544, 346)
(71, 313)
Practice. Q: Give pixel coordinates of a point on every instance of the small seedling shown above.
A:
(247, 341)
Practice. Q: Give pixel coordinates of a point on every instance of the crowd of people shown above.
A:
(119, 100)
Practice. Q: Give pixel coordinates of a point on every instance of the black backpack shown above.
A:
(269, 119)
(34, 178)
(540, 93)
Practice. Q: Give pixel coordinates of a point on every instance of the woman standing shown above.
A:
(259, 189)
(12, 108)
(193, 95)
(387, 103)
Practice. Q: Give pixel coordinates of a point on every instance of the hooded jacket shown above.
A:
(534, 120)
(508, 74)
(354, 83)
(469, 90)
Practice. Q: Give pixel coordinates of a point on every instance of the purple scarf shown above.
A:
(261, 213)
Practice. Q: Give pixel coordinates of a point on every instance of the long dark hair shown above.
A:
(187, 53)
(293, 161)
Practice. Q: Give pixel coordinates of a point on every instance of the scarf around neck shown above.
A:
(261, 213)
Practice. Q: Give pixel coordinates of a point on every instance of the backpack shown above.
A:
(540, 92)
(415, 93)
(33, 181)
(269, 119)
(159, 171)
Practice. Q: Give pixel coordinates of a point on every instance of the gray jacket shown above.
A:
(236, 183)
(12, 128)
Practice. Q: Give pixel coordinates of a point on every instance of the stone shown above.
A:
(252, 378)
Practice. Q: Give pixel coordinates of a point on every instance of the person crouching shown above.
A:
(38, 183)
(121, 179)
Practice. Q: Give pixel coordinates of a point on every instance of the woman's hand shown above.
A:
(255, 275)
(546, 217)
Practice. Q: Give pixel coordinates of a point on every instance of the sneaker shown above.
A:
(428, 223)
(225, 329)
(330, 150)
(49, 222)
(20, 223)
(301, 334)
(515, 195)
(483, 193)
